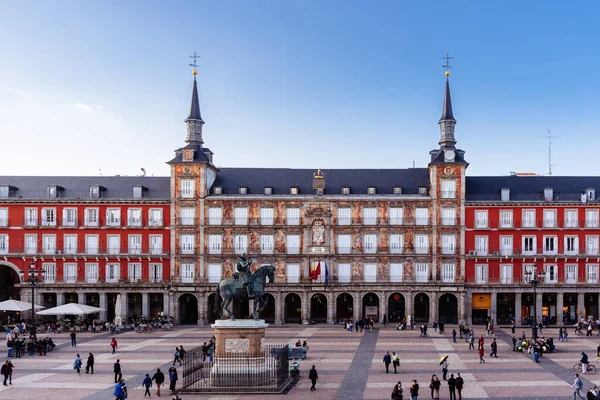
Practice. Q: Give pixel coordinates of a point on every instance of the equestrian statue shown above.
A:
(244, 285)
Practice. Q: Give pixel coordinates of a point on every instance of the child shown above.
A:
(147, 383)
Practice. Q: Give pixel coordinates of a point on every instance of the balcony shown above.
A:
(134, 223)
(527, 252)
(69, 223)
(84, 251)
(191, 222)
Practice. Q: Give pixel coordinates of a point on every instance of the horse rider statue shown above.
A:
(243, 267)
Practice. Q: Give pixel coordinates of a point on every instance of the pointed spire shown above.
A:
(447, 107)
(447, 122)
(195, 104)
(194, 121)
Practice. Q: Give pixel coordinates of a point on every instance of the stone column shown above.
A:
(81, 298)
(462, 310)
(580, 305)
(408, 306)
(539, 298)
(382, 306)
(494, 305)
(305, 307)
(518, 316)
(124, 306)
(145, 306)
(202, 308)
(433, 307)
(559, 308)
(166, 309)
(357, 304)
(278, 308)
(60, 299)
(331, 308)
(103, 299)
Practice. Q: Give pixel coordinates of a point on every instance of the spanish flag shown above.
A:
(316, 272)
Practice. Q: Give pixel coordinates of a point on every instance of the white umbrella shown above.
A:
(16, 305)
(118, 317)
(71, 309)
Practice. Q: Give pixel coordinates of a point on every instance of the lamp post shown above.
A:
(534, 278)
(34, 276)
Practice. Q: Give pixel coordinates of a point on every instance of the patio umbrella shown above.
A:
(444, 358)
(71, 309)
(16, 305)
(118, 318)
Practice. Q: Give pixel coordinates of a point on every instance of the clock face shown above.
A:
(188, 154)
(449, 155)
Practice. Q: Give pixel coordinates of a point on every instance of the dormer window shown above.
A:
(422, 191)
(51, 191)
(243, 190)
(590, 194)
(397, 190)
(95, 191)
(4, 191)
(548, 194)
(346, 190)
(138, 191)
(268, 190)
(505, 194)
(218, 190)
(371, 190)
(294, 190)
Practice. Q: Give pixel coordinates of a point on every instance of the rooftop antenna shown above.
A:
(549, 136)
(100, 170)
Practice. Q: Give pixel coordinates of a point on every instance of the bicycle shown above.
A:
(591, 369)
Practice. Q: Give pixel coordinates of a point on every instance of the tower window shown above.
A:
(294, 190)
(397, 190)
(371, 190)
(268, 190)
(346, 190)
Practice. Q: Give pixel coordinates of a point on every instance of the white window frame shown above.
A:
(113, 217)
(369, 272)
(48, 216)
(91, 212)
(369, 215)
(551, 275)
(134, 245)
(91, 272)
(344, 244)
(187, 243)
(421, 245)
(529, 268)
(448, 189)
(215, 243)
(481, 219)
(134, 272)
(571, 245)
(505, 194)
(31, 243)
(113, 244)
(591, 273)
(292, 273)
(70, 244)
(344, 273)
(240, 244)
(156, 244)
(591, 218)
(571, 273)
(550, 218)
(571, 218)
(292, 244)
(396, 215)
(548, 194)
(396, 272)
(89, 249)
(591, 245)
(69, 216)
(448, 216)
(528, 218)
(481, 246)
(215, 216)
(187, 188)
(3, 217)
(155, 217)
(527, 250)
(49, 244)
(506, 273)
(187, 272)
(448, 272)
(215, 272)
(481, 274)
(31, 217)
(50, 272)
(421, 216)
(448, 242)
(267, 244)
(421, 272)
(396, 243)
(113, 272)
(155, 272)
(4, 246)
(550, 243)
(267, 216)
(134, 217)
(187, 215)
(506, 218)
(344, 215)
(292, 216)
(240, 216)
(370, 243)
(506, 245)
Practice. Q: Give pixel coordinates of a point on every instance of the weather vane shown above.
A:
(447, 65)
(194, 64)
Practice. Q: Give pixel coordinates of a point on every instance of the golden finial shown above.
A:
(318, 174)
(447, 73)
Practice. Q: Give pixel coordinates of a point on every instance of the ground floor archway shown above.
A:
(370, 306)
(268, 313)
(111, 300)
(292, 309)
(549, 308)
(448, 309)
(156, 304)
(134, 305)
(318, 307)
(210, 308)
(505, 308)
(188, 309)
(421, 305)
(9, 278)
(92, 299)
(344, 307)
(527, 301)
(396, 307)
(569, 311)
(591, 306)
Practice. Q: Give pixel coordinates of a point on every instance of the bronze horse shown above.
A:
(228, 289)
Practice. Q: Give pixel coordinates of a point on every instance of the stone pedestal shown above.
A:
(239, 337)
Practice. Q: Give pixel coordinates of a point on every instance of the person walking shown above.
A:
(172, 379)
(4, 371)
(452, 387)
(182, 351)
(397, 391)
(537, 350)
(436, 387)
(414, 390)
(480, 352)
(73, 339)
(11, 367)
(89, 364)
(395, 361)
(119, 392)
(442, 328)
(459, 385)
(114, 345)
(471, 342)
(77, 364)
(176, 356)
(147, 383)
(453, 335)
(387, 360)
(514, 340)
(480, 342)
(117, 371)
(314, 377)
(159, 379)
(577, 386)
(431, 387)
(494, 347)
(445, 368)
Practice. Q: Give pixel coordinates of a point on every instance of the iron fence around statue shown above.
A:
(237, 372)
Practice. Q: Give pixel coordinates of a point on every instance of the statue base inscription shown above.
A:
(243, 337)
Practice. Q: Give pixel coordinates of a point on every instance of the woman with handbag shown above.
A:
(397, 392)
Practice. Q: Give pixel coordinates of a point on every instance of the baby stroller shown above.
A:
(295, 369)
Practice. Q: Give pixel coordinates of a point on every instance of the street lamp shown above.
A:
(534, 278)
(34, 276)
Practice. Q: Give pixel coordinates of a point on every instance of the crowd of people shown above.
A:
(356, 324)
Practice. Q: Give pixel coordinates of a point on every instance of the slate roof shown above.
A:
(447, 107)
(195, 104)
(199, 155)
(281, 179)
(78, 187)
(529, 188)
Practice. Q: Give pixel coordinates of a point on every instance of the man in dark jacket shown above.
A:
(452, 387)
(159, 378)
(494, 346)
(90, 364)
(459, 385)
(387, 359)
(117, 371)
(313, 376)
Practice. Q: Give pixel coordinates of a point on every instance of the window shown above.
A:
(421, 244)
(528, 219)
(344, 216)
(550, 245)
(187, 215)
(70, 243)
(505, 194)
(135, 244)
(70, 273)
(396, 216)
(3, 216)
(4, 191)
(187, 243)
(69, 217)
(396, 272)
(571, 219)
(548, 194)
(240, 244)
(571, 273)
(448, 272)
(292, 216)
(549, 218)
(551, 273)
(396, 243)
(114, 244)
(571, 245)
(397, 190)
(134, 272)
(371, 190)
(370, 272)
(266, 216)
(155, 272)
(293, 273)
(188, 188)
(370, 243)
(344, 244)
(31, 218)
(481, 245)
(369, 216)
(448, 189)
(422, 216)
(293, 190)
(3, 244)
(344, 273)
(240, 216)
(292, 244)
(591, 218)
(448, 244)
(137, 192)
(50, 275)
(49, 244)
(218, 190)
(215, 216)
(506, 245)
(91, 217)
(481, 219)
(421, 272)
(266, 244)
(591, 243)
(448, 216)
(345, 190)
(481, 273)
(94, 192)
(506, 273)
(134, 217)
(156, 244)
(529, 270)
(155, 217)
(422, 191)
(113, 272)
(592, 273)
(188, 273)
(113, 217)
(91, 272)
(529, 245)
(243, 190)
(48, 216)
(30, 244)
(590, 194)
(214, 273)
(506, 218)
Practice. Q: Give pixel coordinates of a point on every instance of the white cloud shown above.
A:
(83, 106)
(18, 92)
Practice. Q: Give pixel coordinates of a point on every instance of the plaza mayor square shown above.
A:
(299, 200)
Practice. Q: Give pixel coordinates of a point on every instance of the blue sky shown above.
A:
(90, 86)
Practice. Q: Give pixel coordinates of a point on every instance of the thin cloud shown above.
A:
(18, 92)
(83, 106)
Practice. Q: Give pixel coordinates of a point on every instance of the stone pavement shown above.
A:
(350, 365)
